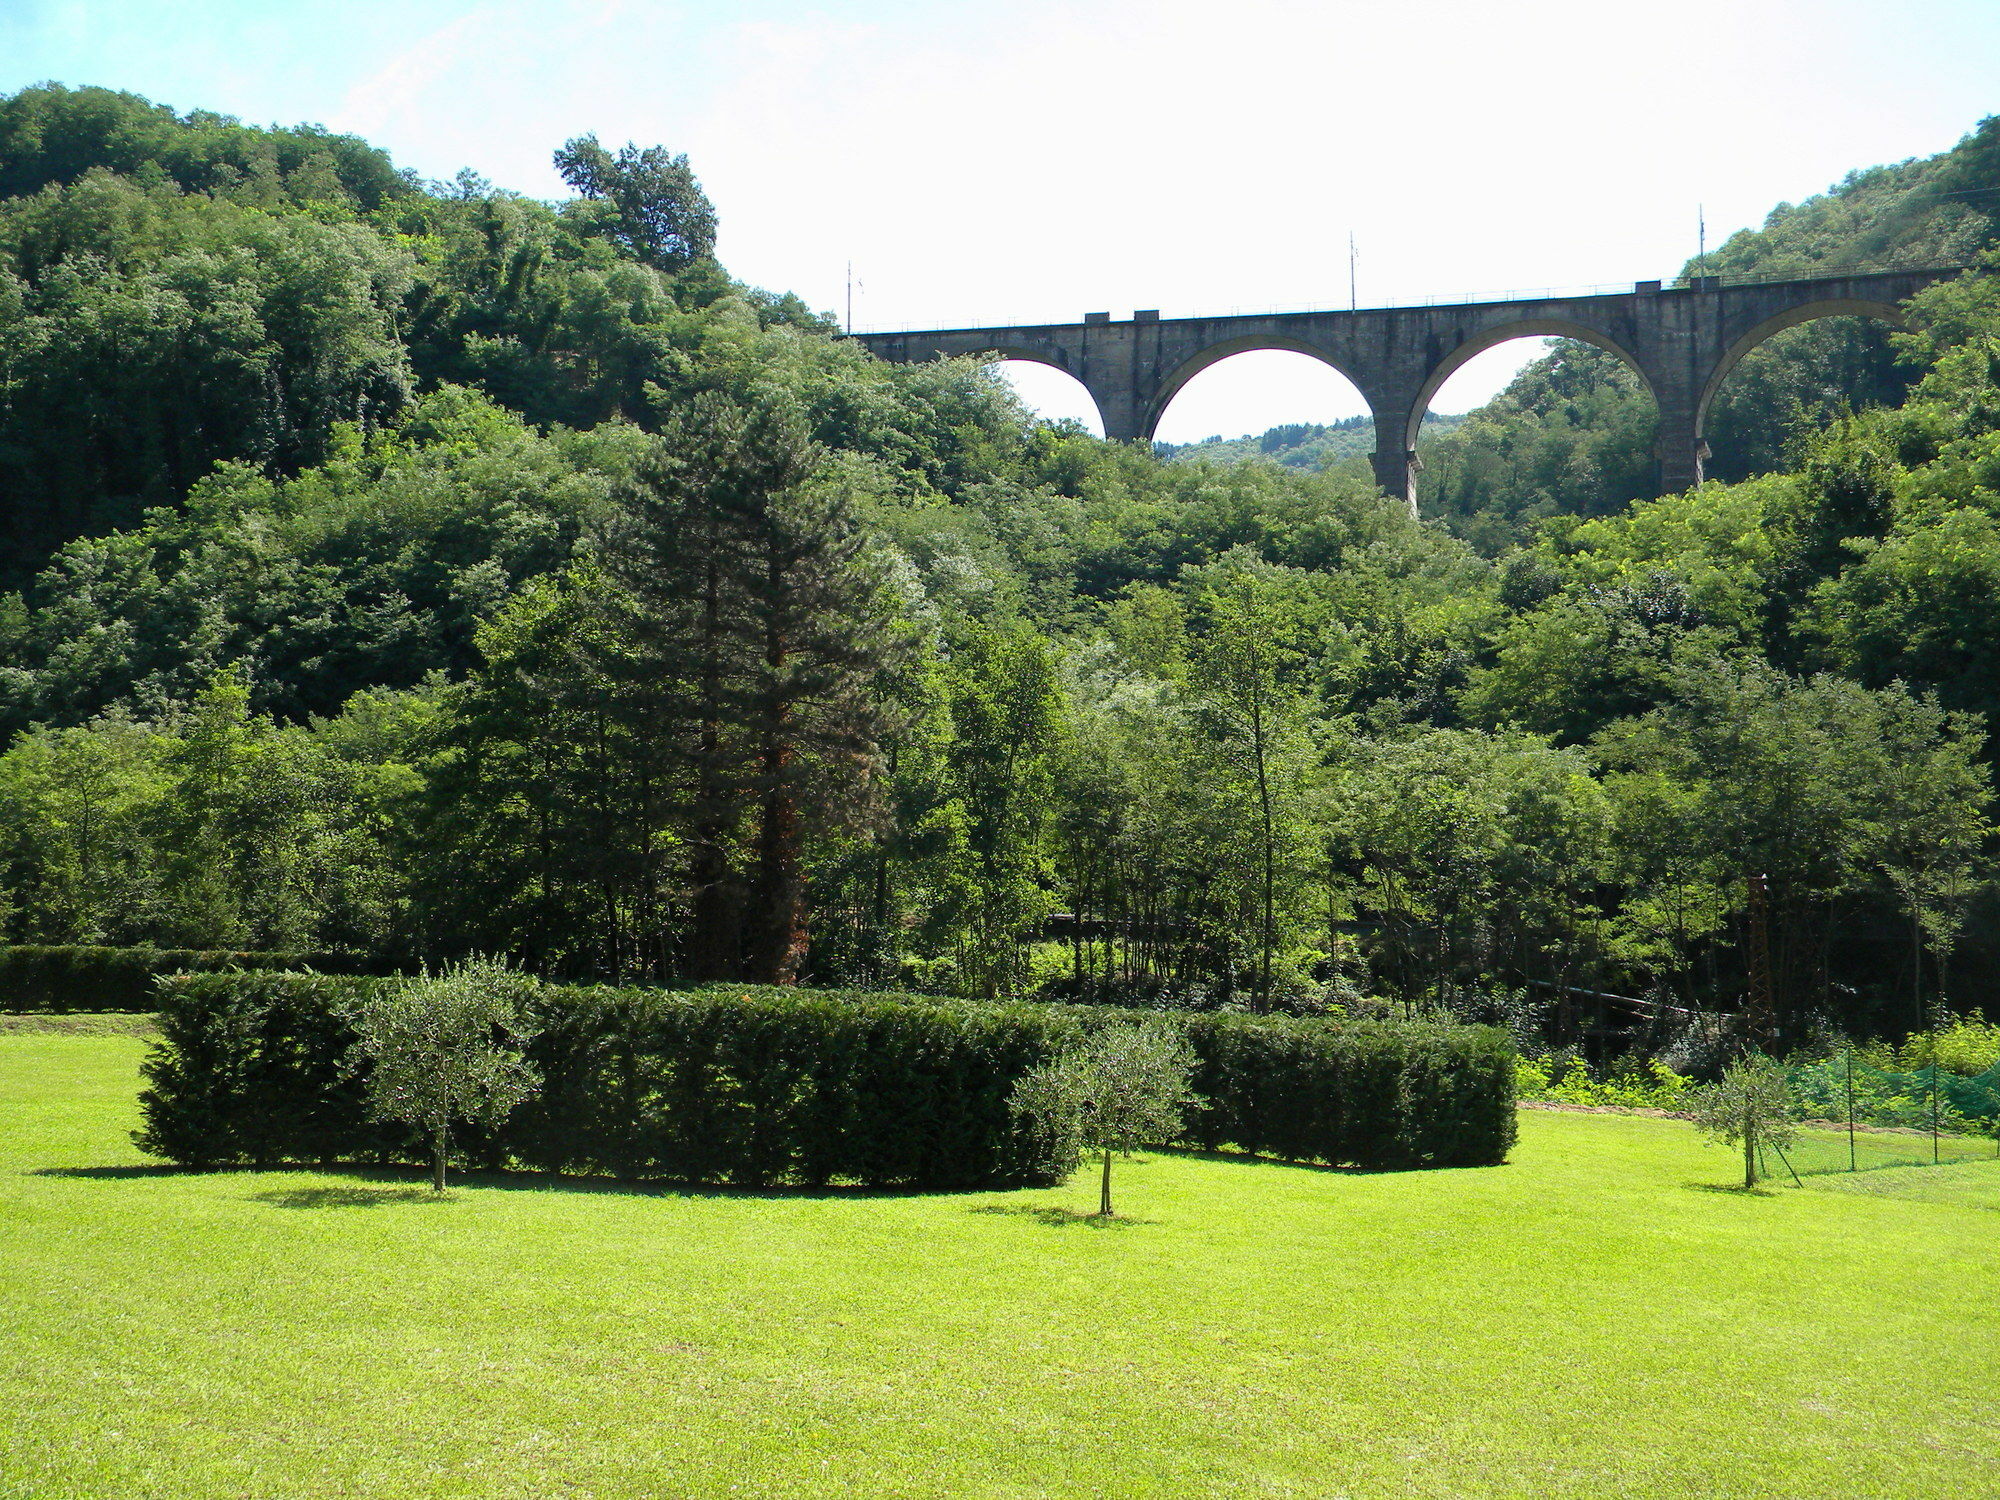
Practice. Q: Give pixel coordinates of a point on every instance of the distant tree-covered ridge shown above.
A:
(51, 136)
(1300, 445)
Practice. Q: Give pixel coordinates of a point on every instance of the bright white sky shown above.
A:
(983, 162)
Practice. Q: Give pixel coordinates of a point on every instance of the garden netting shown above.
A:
(1857, 1116)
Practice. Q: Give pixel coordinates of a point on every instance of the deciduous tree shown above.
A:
(1750, 1107)
(660, 214)
(1123, 1088)
(447, 1048)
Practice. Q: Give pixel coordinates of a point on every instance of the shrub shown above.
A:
(714, 1086)
(772, 1086)
(1628, 1084)
(1380, 1094)
(253, 1068)
(1376, 1093)
(121, 979)
(1968, 1047)
(760, 1086)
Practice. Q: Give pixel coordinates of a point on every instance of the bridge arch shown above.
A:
(1049, 387)
(1214, 354)
(1777, 323)
(1045, 359)
(1500, 333)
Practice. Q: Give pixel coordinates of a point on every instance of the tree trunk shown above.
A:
(777, 946)
(1760, 1005)
(440, 1144)
(1749, 1152)
(1266, 928)
(715, 939)
(778, 938)
(1917, 965)
(716, 912)
(1104, 1191)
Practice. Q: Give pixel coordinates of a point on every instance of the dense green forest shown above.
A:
(416, 569)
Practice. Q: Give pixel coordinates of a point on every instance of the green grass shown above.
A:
(1827, 1151)
(1600, 1318)
(96, 1023)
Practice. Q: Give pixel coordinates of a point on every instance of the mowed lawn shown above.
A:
(1595, 1319)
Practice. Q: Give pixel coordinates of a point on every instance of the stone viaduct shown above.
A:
(1682, 341)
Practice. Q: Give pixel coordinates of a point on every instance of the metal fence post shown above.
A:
(1849, 1055)
(1934, 1100)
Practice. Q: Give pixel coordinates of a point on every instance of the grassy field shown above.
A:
(1599, 1318)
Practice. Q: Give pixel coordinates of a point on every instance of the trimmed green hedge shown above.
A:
(761, 1086)
(1369, 1094)
(715, 1086)
(83, 979)
(1375, 1095)
(253, 1068)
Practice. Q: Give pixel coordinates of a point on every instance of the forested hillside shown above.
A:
(415, 569)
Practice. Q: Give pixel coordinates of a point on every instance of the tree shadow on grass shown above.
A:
(370, 1187)
(1257, 1159)
(415, 1180)
(156, 1169)
(348, 1196)
(668, 1187)
(1057, 1218)
(1734, 1189)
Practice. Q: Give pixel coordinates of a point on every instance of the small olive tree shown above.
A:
(1751, 1107)
(1123, 1088)
(447, 1047)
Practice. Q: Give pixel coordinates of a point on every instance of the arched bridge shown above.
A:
(1682, 341)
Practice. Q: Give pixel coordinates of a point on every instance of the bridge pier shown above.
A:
(1397, 471)
(1123, 420)
(1395, 465)
(1681, 452)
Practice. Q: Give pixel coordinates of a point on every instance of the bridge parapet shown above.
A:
(1682, 341)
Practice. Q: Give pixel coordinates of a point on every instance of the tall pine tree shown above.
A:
(766, 622)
